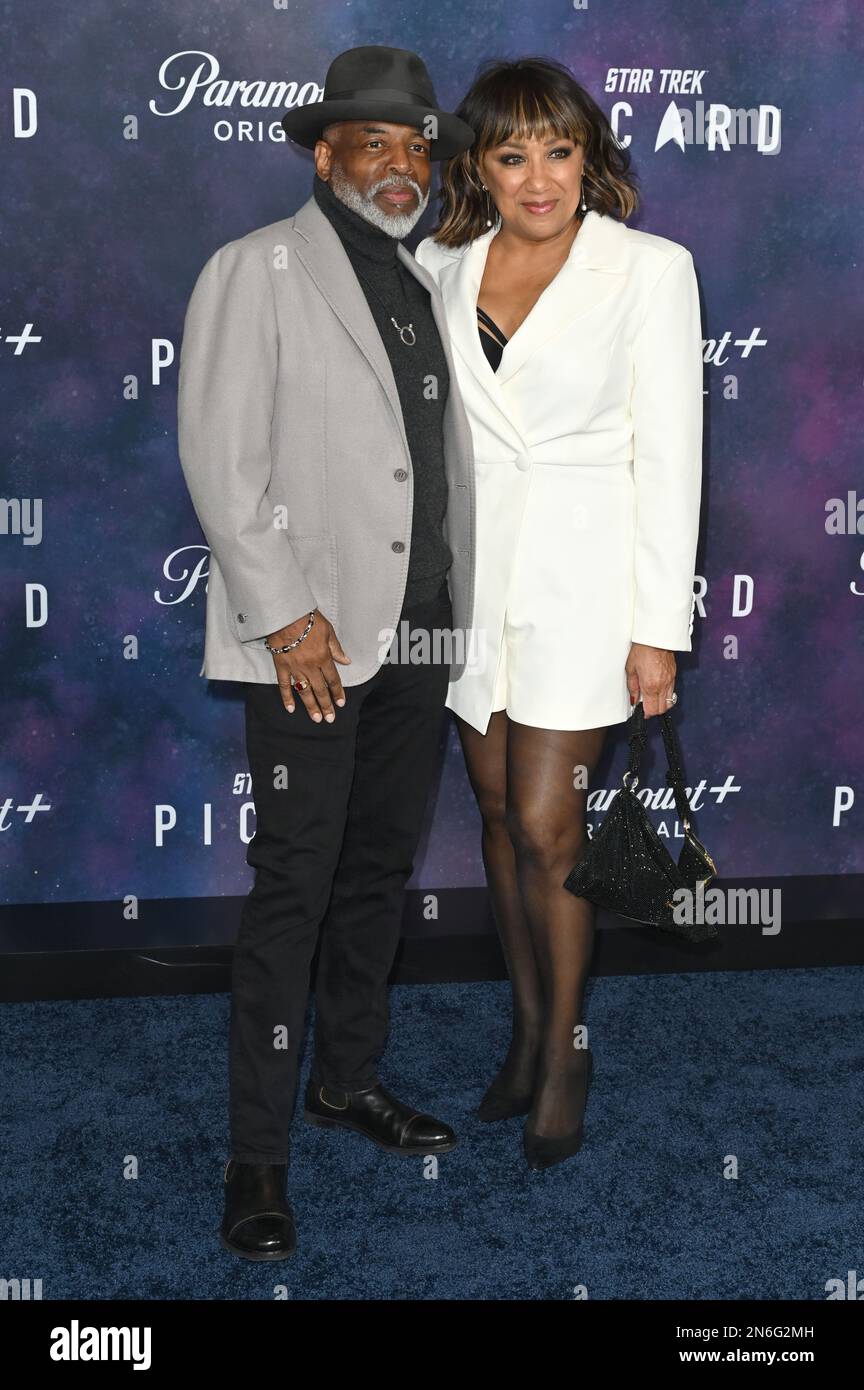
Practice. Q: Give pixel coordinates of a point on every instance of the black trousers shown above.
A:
(339, 808)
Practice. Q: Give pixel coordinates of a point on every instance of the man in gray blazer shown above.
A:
(329, 461)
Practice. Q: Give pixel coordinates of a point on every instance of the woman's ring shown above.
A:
(299, 685)
(672, 699)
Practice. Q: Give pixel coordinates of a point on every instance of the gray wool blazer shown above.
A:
(293, 447)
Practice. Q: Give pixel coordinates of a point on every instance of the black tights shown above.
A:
(534, 831)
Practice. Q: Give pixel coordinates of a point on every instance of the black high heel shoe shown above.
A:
(543, 1151)
(498, 1104)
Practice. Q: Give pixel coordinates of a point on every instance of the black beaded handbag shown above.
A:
(627, 868)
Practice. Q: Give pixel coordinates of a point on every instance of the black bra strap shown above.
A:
(492, 326)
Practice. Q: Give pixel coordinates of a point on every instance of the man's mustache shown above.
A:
(396, 183)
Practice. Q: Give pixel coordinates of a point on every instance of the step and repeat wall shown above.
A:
(136, 139)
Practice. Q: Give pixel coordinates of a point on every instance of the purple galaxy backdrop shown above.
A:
(110, 210)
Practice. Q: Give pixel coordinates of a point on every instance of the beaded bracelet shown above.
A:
(291, 645)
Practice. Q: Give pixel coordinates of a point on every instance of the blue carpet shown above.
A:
(689, 1069)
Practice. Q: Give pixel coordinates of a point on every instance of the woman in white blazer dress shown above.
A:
(578, 348)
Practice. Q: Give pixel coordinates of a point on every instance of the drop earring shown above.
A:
(583, 206)
(486, 191)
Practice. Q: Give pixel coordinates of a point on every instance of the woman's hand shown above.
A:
(651, 674)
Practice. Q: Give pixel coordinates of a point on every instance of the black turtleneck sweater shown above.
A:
(391, 289)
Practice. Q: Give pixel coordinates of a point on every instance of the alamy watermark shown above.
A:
(729, 907)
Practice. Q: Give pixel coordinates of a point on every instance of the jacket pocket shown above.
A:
(316, 554)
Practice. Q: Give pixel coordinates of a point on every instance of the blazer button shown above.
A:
(397, 546)
(241, 617)
(523, 462)
(400, 475)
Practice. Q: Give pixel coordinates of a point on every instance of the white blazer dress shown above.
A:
(588, 469)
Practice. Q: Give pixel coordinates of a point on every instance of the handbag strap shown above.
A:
(674, 770)
(638, 735)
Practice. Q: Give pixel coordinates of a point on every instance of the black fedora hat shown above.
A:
(382, 84)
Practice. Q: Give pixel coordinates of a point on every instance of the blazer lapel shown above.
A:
(592, 272)
(459, 289)
(325, 259)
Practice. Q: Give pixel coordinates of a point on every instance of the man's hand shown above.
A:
(312, 660)
(651, 673)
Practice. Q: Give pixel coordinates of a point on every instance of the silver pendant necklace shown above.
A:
(405, 331)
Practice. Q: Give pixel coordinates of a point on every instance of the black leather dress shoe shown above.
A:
(258, 1222)
(388, 1122)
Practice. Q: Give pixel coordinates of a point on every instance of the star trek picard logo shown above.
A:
(716, 124)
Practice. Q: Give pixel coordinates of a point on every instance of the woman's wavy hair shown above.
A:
(530, 98)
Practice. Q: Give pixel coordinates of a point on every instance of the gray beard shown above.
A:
(395, 224)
